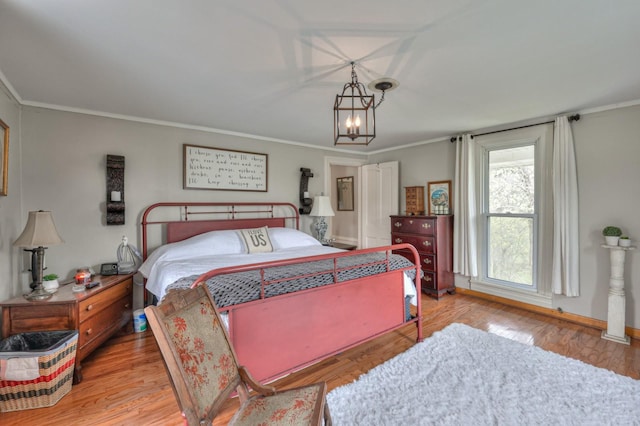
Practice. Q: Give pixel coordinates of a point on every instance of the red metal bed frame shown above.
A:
(278, 335)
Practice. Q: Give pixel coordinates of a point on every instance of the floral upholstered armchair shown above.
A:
(204, 370)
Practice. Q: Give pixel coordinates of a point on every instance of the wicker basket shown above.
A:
(56, 353)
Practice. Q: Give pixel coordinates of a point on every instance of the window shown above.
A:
(515, 213)
(510, 215)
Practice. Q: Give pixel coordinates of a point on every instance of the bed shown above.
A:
(288, 300)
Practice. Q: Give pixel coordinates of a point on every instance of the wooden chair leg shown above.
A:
(327, 415)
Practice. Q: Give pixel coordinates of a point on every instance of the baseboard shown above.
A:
(554, 313)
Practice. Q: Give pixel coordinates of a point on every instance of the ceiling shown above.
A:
(272, 68)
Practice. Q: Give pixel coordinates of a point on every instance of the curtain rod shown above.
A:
(574, 117)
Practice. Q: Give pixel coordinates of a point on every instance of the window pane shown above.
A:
(510, 256)
(511, 180)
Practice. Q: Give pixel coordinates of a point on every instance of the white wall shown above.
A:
(11, 221)
(57, 162)
(608, 157)
(421, 164)
(64, 160)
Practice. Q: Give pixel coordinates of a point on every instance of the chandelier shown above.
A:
(354, 112)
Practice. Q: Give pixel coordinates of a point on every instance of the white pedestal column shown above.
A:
(616, 312)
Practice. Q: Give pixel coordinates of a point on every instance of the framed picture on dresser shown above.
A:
(439, 194)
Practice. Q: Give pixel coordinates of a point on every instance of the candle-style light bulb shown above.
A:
(349, 125)
(357, 125)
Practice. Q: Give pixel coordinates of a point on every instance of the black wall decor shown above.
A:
(115, 190)
(305, 200)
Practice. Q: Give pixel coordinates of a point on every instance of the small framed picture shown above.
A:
(345, 193)
(439, 197)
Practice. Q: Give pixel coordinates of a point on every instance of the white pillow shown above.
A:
(207, 244)
(283, 238)
(257, 240)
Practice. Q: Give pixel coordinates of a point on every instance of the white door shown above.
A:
(379, 201)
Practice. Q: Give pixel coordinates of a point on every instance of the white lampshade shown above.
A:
(40, 231)
(321, 206)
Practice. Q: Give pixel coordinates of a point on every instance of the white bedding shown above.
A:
(205, 252)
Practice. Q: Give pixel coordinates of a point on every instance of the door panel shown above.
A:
(379, 200)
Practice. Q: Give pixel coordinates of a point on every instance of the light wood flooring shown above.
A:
(125, 382)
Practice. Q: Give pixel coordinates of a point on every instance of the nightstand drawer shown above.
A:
(94, 304)
(40, 317)
(112, 316)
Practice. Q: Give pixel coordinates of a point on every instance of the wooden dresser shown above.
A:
(97, 313)
(432, 236)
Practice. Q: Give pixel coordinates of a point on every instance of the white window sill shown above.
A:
(523, 296)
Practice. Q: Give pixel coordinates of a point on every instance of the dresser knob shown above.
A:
(426, 225)
(398, 240)
(427, 261)
(397, 224)
(427, 278)
(89, 307)
(126, 305)
(89, 331)
(426, 243)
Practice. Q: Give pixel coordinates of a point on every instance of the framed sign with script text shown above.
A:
(224, 169)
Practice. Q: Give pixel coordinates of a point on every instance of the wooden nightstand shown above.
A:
(97, 314)
(344, 246)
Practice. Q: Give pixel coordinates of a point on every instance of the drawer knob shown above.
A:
(397, 224)
(126, 305)
(426, 243)
(427, 278)
(426, 225)
(89, 331)
(89, 307)
(398, 240)
(427, 261)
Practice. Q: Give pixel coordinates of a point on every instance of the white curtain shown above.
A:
(464, 221)
(565, 277)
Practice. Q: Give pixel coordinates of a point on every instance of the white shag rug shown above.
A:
(465, 376)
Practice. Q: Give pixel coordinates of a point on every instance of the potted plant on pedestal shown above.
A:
(611, 235)
(50, 283)
(624, 241)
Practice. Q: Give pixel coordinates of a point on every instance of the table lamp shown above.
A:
(39, 232)
(321, 208)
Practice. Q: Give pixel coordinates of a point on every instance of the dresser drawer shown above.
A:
(429, 281)
(415, 225)
(427, 261)
(422, 244)
(94, 304)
